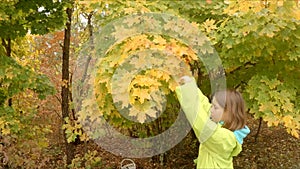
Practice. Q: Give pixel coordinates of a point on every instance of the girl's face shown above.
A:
(216, 111)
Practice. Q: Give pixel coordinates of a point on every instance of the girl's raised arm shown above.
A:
(196, 107)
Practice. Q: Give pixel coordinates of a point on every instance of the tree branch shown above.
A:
(240, 67)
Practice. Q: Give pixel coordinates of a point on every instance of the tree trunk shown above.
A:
(65, 78)
(89, 58)
(91, 42)
(7, 46)
(92, 47)
(259, 127)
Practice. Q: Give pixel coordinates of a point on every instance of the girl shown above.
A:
(220, 126)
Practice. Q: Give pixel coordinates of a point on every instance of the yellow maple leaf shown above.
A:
(269, 106)
(84, 137)
(143, 94)
(5, 131)
(64, 83)
(287, 120)
(172, 85)
(295, 133)
(9, 74)
(209, 25)
(272, 120)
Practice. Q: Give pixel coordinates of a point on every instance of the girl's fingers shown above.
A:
(185, 79)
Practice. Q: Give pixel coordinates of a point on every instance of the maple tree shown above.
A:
(228, 29)
(266, 72)
(229, 32)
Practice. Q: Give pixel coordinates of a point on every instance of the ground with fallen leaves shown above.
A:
(273, 149)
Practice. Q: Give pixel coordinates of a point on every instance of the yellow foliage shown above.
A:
(209, 25)
(159, 74)
(287, 120)
(272, 120)
(295, 133)
(288, 107)
(64, 83)
(243, 6)
(238, 7)
(143, 80)
(3, 127)
(137, 88)
(292, 125)
(9, 73)
(86, 2)
(141, 93)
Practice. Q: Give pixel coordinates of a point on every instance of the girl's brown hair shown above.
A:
(234, 115)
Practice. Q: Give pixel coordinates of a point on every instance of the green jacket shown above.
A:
(218, 145)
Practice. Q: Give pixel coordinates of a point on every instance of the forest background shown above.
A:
(41, 42)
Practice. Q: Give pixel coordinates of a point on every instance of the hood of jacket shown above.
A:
(241, 134)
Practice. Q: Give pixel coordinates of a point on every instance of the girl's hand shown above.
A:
(185, 79)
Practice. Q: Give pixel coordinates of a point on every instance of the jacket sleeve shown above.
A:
(196, 107)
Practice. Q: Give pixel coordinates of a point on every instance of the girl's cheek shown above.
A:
(212, 110)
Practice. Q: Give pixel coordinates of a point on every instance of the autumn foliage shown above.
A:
(257, 43)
